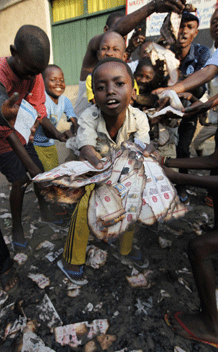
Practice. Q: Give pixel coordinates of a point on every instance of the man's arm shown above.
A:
(198, 78)
(124, 26)
(207, 162)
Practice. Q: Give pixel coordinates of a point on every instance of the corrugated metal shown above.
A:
(65, 9)
(100, 5)
(70, 41)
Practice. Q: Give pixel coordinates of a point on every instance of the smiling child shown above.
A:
(56, 105)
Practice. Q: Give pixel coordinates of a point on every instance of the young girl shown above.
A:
(101, 127)
(56, 105)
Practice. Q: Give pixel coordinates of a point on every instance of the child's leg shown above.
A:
(16, 203)
(75, 247)
(126, 241)
(203, 325)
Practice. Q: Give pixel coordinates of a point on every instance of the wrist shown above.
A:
(165, 160)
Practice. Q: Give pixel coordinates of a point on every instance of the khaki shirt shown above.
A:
(92, 129)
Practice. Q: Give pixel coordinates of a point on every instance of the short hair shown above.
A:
(146, 61)
(113, 59)
(117, 35)
(34, 41)
(112, 16)
(49, 66)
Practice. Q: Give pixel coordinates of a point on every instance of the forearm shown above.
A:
(3, 97)
(49, 130)
(129, 22)
(196, 79)
(209, 182)
(204, 162)
(22, 154)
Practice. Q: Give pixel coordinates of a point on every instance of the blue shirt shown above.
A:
(195, 60)
(213, 60)
(54, 114)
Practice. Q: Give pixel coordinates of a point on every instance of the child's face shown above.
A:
(112, 45)
(54, 82)
(144, 76)
(112, 88)
(25, 69)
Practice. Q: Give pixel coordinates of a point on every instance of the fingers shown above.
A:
(13, 99)
(88, 153)
(149, 149)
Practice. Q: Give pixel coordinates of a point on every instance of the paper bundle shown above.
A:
(135, 189)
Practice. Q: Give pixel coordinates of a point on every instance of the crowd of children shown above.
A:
(116, 95)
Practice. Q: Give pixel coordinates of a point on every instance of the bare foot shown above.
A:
(193, 326)
(9, 279)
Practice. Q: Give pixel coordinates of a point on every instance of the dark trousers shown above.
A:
(5, 260)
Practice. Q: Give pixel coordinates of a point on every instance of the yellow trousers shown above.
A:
(48, 156)
(77, 239)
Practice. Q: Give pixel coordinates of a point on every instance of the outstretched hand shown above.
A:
(169, 5)
(10, 109)
(89, 153)
(196, 108)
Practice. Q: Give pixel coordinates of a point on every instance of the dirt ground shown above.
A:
(135, 316)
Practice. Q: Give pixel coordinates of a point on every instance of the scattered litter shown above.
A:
(32, 228)
(33, 343)
(134, 272)
(8, 239)
(48, 313)
(163, 294)
(184, 283)
(205, 216)
(3, 297)
(54, 255)
(70, 285)
(6, 310)
(217, 298)
(41, 280)
(7, 223)
(139, 281)
(197, 228)
(17, 325)
(29, 190)
(178, 349)
(88, 308)
(106, 341)
(53, 227)
(115, 314)
(3, 195)
(45, 244)
(143, 307)
(96, 257)
(183, 271)
(20, 258)
(6, 216)
(73, 293)
(164, 243)
(2, 210)
(79, 333)
(192, 193)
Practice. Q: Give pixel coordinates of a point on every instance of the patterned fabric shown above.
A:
(32, 90)
(195, 60)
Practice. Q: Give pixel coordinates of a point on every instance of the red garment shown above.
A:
(31, 90)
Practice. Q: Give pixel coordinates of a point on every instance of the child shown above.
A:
(20, 73)
(102, 127)
(112, 45)
(56, 105)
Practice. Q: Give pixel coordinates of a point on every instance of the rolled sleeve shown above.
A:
(86, 134)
